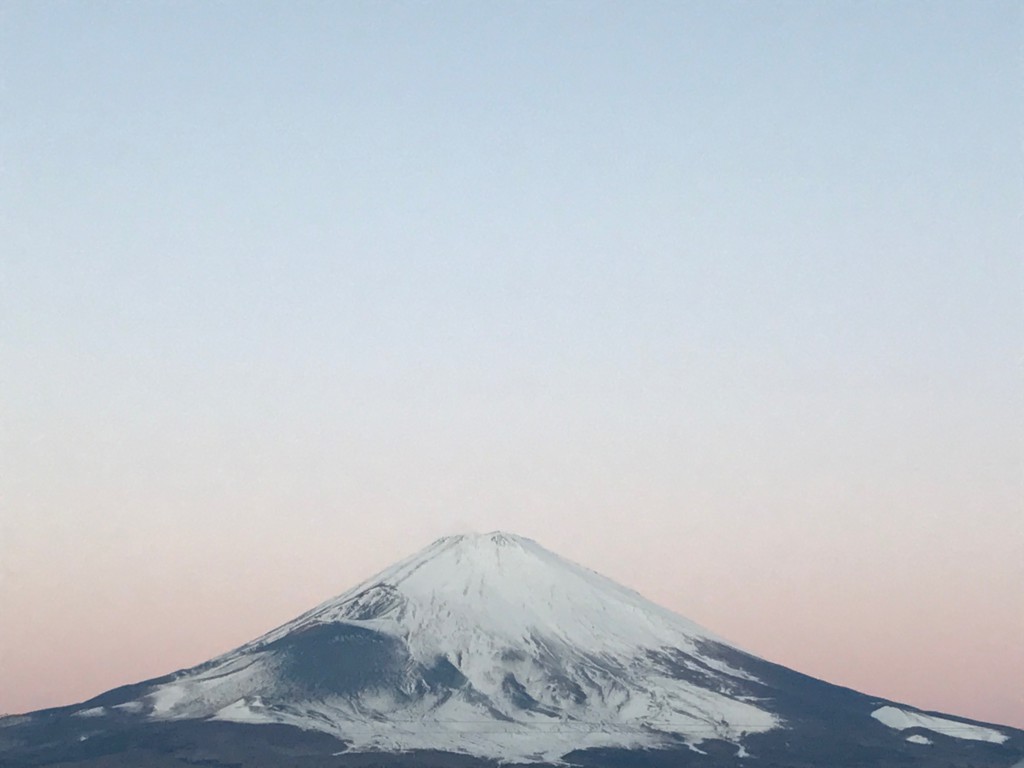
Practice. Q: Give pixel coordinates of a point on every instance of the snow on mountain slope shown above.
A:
(488, 645)
(901, 719)
(463, 589)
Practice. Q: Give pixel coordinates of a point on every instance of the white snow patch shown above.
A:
(243, 711)
(901, 719)
(92, 712)
(164, 698)
(916, 739)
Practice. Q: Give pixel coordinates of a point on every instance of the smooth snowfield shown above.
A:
(519, 589)
(901, 719)
(548, 657)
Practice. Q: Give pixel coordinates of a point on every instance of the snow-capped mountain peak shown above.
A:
(491, 646)
(471, 633)
(509, 588)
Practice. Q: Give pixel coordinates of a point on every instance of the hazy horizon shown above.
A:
(723, 301)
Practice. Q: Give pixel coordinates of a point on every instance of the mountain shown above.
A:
(486, 649)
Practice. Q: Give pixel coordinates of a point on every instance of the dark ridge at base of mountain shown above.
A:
(211, 744)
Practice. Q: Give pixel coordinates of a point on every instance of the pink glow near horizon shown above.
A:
(883, 629)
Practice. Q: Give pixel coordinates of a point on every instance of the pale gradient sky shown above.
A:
(722, 300)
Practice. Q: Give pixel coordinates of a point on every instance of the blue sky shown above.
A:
(837, 182)
(612, 275)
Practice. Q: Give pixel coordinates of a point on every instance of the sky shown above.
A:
(722, 300)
